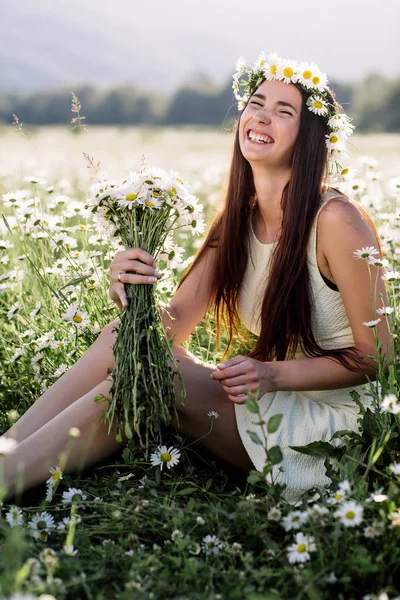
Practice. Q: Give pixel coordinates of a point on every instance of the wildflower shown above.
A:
(391, 276)
(200, 521)
(76, 316)
(194, 549)
(69, 550)
(372, 324)
(253, 498)
(274, 514)
(236, 548)
(176, 535)
(41, 524)
(48, 556)
(350, 513)
(14, 516)
(126, 477)
(211, 544)
(317, 513)
(299, 552)
(13, 310)
(385, 310)
(390, 404)
(372, 531)
(7, 445)
(394, 517)
(213, 414)
(331, 578)
(366, 252)
(74, 433)
(73, 494)
(317, 105)
(395, 468)
(294, 520)
(165, 456)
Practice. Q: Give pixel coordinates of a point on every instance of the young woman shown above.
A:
(280, 259)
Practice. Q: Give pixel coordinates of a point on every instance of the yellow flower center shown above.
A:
(350, 514)
(166, 457)
(82, 226)
(77, 319)
(262, 62)
(131, 197)
(316, 80)
(288, 72)
(273, 69)
(301, 548)
(307, 74)
(345, 171)
(180, 180)
(148, 203)
(334, 139)
(317, 104)
(56, 476)
(338, 496)
(156, 194)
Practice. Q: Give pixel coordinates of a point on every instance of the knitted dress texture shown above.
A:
(307, 416)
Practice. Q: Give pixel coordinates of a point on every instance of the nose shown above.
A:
(262, 116)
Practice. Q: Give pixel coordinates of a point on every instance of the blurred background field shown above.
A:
(196, 152)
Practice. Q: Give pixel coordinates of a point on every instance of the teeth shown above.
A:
(256, 137)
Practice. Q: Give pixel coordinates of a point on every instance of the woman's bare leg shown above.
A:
(50, 443)
(83, 376)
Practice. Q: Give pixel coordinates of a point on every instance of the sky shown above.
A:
(160, 42)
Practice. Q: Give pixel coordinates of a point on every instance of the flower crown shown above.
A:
(313, 80)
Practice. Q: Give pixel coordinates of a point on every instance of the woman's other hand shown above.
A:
(132, 266)
(242, 374)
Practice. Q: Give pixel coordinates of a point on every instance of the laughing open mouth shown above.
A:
(259, 137)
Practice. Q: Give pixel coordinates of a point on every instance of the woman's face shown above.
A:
(270, 123)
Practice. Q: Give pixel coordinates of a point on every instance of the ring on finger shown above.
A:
(119, 275)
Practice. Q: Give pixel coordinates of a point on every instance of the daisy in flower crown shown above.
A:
(285, 260)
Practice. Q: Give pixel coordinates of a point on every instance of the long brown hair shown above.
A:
(286, 309)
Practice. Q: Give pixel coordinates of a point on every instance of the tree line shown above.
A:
(373, 104)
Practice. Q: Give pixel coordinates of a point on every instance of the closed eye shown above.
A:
(256, 103)
(286, 112)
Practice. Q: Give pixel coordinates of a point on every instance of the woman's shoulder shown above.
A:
(338, 208)
(341, 216)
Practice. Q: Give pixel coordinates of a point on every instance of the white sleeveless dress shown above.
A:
(307, 416)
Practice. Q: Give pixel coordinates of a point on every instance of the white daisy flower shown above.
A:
(391, 276)
(7, 445)
(242, 102)
(41, 524)
(366, 252)
(338, 497)
(126, 477)
(14, 516)
(294, 520)
(385, 310)
(395, 468)
(394, 517)
(176, 535)
(299, 552)
(260, 62)
(317, 513)
(194, 549)
(6, 245)
(165, 456)
(76, 316)
(211, 544)
(271, 66)
(287, 71)
(348, 173)
(241, 65)
(390, 404)
(378, 262)
(274, 514)
(372, 323)
(317, 105)
(372, 531)
(305, 74)
(14, 309)
(71, 495)
(213, 414)
(334, 141)
(350, 513)
(200, 521)
(345, 486)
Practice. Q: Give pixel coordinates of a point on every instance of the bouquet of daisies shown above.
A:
(143, 211)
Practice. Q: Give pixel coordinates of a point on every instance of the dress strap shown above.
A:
(312, 247)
